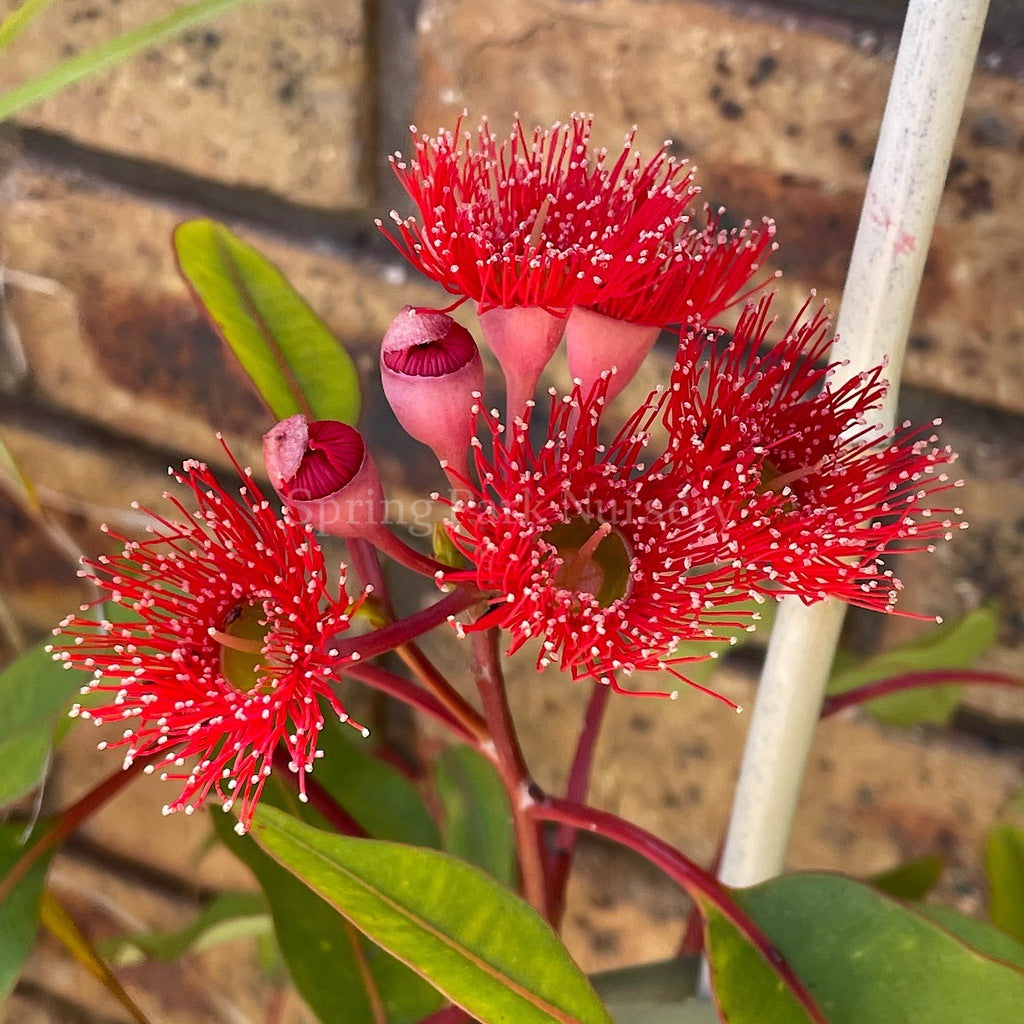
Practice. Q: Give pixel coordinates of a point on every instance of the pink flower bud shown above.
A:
(595, 343)
(324, 474)
(431, 368)
(523, 339)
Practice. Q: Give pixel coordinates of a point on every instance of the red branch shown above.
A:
(576, 792)
(695, 880)
(914, 681)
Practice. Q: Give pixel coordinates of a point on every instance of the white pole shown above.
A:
(933, 67)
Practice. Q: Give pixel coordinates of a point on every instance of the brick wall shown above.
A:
(277, 118)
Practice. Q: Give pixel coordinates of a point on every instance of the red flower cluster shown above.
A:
(750, 475)
(769, 485)
(227, 649)
(544, 221)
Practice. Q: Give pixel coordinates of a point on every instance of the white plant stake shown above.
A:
(933, 67)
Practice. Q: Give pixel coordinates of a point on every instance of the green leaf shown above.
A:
(18, 479)
(374, 793)
(913, 880)
(57, 921)
(35, 691)
(326, 958)
(954, 645)
(478, 819)
(229, 915)
(748, 989)
(109, 53)
(19, 913)
(478, 943)
(15, 22)
(870, 960)
(293, 359)
(988, 941)
(1004, 864)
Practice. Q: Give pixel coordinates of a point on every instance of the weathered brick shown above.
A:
(111, 335)
(270, 96)
(782, 122)
(985, 563)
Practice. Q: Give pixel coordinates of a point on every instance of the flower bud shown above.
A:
(430, 367)
(523, 339)
(595, 343)
(324, 474)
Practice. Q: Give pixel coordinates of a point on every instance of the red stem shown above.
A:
(387, 682)
(387, 542)
(70, 818)
(695, 880)
(448, 1015)
(507, 756)
(458, 714)
(387, 638)
(322, 801)
(366, 563)
(470, 720)
(692, 941)
(914, 681)
(576, 791)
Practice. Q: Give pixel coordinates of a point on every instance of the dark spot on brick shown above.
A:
(865, 796)
(826, 765)
(159, 345)
(693, 793)
(845, 139)
(722, 65)
(715, 93)
(640, 723)
(669, 799)
(990, 130)
(957, 166)
(945, 839)
(68, 50)
(868, 162)
(204, 80)
(287, 91)
(604, 941)
(88, 14)
(211, 40)
(976, 195)
(921, 343)
(793, 131)
(730, 110)
(603, 899)
(763, 70)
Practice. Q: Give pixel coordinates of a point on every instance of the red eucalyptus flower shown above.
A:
(609, 563)
(535, 221)
(227, 648)
(843, 493)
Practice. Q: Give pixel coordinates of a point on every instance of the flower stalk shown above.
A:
(507, 756)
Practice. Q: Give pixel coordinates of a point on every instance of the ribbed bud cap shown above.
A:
(324, 474)
(431, 370)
